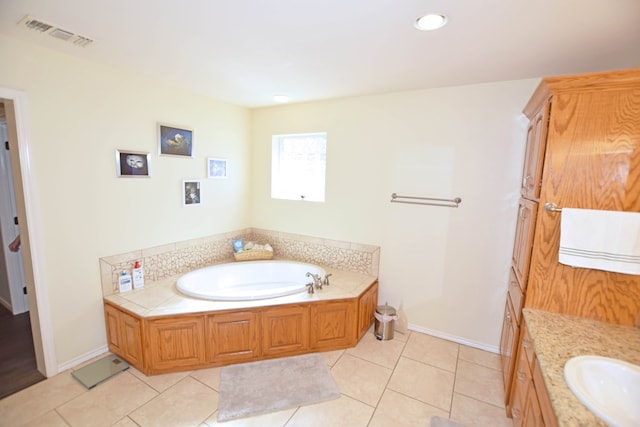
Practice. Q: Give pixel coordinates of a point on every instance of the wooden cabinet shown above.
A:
(285, 330)
(124, 336)
(332, 325)
(233, 336)
(531, 406)
(193, 341)
(367, 304)
(583, 151)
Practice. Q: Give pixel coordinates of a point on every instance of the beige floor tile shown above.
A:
(344, 411)
(432, 351)
(125, 422)
(398, 410)
(331, 357)
(50, 419)
(384, 353)
(37, 400)
(474, 413)
(360, 379)
(108, 402)
(480, 383)
(426, 383)
(480, 357)
(209, 377)
(187, 403)
(159, 382)
(275, 419)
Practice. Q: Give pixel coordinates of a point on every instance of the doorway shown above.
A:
(37, 320)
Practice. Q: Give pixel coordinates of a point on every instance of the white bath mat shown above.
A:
(256, 388)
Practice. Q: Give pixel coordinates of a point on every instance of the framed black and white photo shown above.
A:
(217, 168)
(175, 141)
(133, 164)
(191, 195)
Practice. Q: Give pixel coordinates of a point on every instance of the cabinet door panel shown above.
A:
(176, 343)
(366, 309)
(114, 335)
(523, 243)
(233, 336)
(285, 330)
(508, 346)
(534, 154)
(333, 325)
(131, 328)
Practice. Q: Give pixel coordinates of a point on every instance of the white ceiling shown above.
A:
(246, 51)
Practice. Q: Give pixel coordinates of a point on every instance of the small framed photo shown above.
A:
(132, 164)
(217, 168)
(174, 141)
(191, 195)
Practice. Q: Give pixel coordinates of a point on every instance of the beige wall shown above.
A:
(79, 113)
(447, 268)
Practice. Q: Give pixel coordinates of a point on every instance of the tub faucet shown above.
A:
(317, 281)
(310, 287)
(325, 281)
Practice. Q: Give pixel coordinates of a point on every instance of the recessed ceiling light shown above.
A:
(281, 98)
(432, 21)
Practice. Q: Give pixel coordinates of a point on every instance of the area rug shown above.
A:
(256, 388)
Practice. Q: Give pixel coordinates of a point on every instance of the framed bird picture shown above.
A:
(175, 141)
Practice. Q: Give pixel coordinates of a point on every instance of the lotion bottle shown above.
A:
(124, 282)
(138, 276)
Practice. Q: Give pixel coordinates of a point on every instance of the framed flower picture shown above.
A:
(217, 168)
(191, 195)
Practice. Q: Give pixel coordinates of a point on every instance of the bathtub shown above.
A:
(249, 280)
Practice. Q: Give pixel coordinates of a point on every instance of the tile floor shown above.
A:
(395, 383)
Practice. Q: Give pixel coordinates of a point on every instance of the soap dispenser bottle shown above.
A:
(124, 282)
(138, 276)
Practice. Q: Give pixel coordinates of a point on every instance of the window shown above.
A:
(298, 164)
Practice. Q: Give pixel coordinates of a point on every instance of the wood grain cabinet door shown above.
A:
(367, 305)
(175, 343)
(124, 336)
(233, 337)
(534, 154)
(285, 330)
(523, 243)
(333, 324)
(508, 346)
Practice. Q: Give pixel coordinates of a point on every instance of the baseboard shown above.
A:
(83, 358)
(6, 304)
(459, 340)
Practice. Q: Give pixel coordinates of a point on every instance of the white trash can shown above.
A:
(385, 317)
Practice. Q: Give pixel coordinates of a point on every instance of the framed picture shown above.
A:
(132, 164)
(191, 195)
(174, 141)
(217, 168)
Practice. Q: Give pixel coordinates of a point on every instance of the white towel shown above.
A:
(602, 240)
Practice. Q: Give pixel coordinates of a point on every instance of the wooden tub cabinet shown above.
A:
(161, 344)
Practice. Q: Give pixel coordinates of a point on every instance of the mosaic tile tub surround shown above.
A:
(173, 259)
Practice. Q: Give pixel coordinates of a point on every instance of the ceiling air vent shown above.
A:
(54, 31)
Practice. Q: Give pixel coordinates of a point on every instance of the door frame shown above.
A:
(32, 248)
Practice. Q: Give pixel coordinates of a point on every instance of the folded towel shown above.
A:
(602, 240)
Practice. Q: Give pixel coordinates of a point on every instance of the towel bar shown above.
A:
(450, 203)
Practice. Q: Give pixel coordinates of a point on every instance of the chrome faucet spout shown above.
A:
(317, 280)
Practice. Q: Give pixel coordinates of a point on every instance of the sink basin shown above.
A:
(610, 388)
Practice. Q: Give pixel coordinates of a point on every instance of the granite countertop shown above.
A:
(161, 298)
(557, 338)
